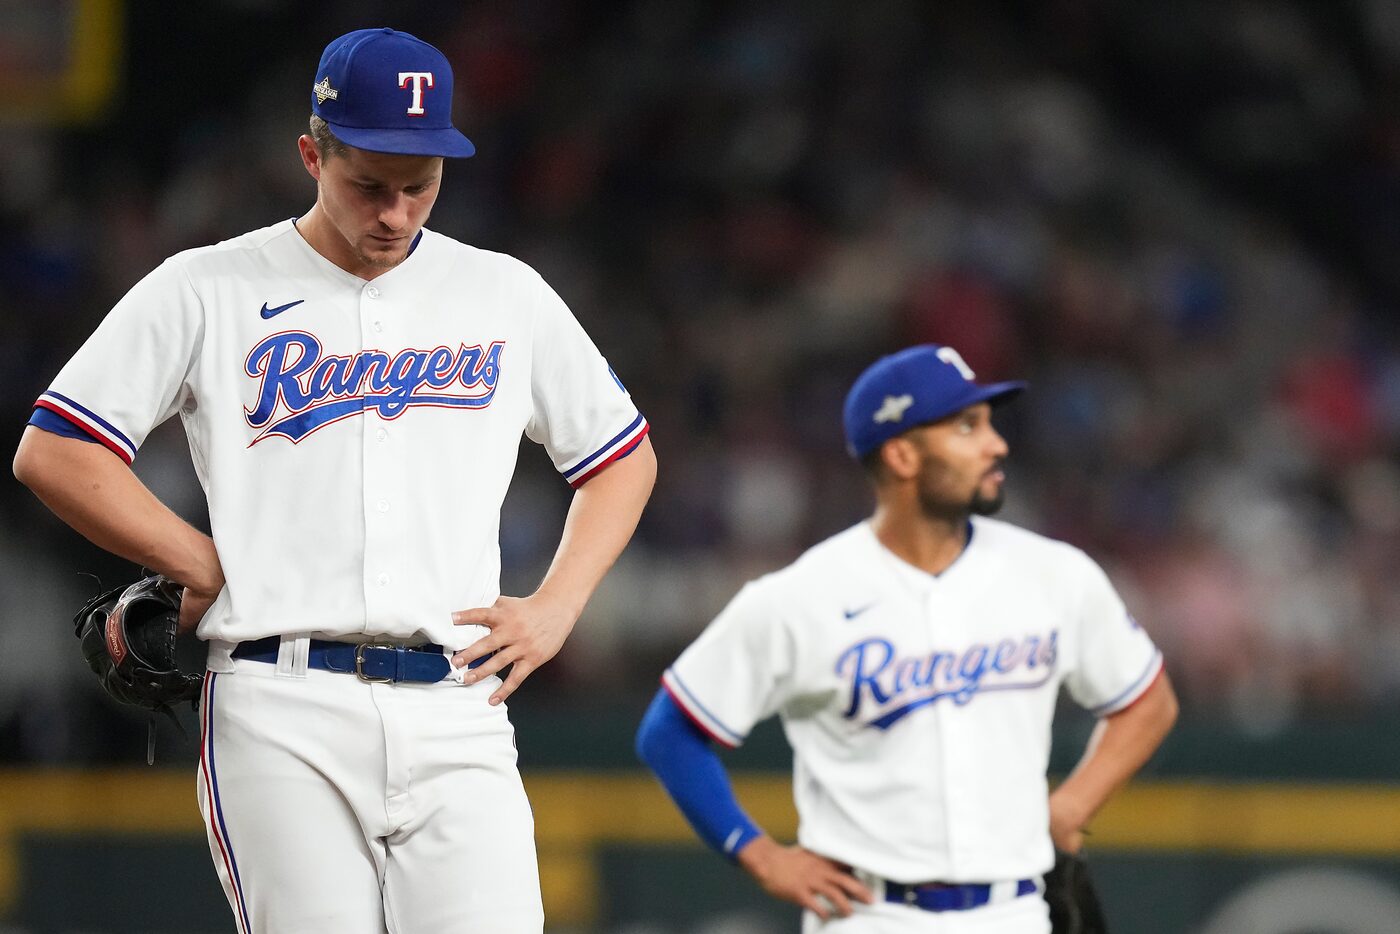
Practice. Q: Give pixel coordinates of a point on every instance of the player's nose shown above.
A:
(393, 213)
(996, 444)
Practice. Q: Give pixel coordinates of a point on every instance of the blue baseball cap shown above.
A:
(913, 387)
(386, 91)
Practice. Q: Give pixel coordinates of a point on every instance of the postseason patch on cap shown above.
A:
(893, 409)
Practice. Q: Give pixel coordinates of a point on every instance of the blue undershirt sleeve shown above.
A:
(56, 424)
(690, 770)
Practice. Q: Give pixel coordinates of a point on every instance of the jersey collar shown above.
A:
(350, 277)
(919, 574)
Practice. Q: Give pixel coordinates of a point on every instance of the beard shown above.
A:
(987, 505)
(938, 505)
(958, 512)
(954, 509)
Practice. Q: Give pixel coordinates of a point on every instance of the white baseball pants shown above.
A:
(333, 805)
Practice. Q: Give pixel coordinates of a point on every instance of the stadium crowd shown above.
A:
(746, 203)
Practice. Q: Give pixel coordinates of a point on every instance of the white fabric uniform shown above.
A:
(919, 707)
(355, 440)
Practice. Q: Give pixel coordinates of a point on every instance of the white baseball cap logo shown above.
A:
(949, 355)
(419, 79)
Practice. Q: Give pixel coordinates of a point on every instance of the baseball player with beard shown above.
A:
(915, 660)
(354, 388)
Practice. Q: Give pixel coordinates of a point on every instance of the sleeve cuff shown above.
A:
(1135, 690)
(711, 725)
(622, 444)
(60, 415)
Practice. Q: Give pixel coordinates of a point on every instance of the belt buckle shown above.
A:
(360, 662)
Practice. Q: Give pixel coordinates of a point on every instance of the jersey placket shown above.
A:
(384, 480)
(951, 721)
(934, 629)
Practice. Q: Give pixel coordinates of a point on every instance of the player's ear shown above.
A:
(900, 458)
(310, 156)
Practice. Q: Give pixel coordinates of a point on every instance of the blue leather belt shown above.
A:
(376, 662)
(944, 896)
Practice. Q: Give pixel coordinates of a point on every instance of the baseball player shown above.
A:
(914, 661)
(354, 388)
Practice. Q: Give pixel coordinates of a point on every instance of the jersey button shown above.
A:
(381, 436)
(378, 327)
(372, 292)
(383, 579)
(383, 505)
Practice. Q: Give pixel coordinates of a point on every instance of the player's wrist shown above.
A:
(756, 855)
(199, 568)
(565, 602)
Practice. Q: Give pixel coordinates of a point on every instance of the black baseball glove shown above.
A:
(129, 637)
(1074, 905)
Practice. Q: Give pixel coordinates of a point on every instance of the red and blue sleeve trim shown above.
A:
(1135, 690)
(622, 444)
(690, 705)
(89, 422)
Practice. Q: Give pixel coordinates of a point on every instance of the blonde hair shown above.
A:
(326, 142)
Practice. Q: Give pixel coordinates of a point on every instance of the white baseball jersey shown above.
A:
(355, 439)
(919, 707)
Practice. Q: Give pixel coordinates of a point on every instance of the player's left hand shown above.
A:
(525, 633)
(808, 880)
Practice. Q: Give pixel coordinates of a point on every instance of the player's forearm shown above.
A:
(602, 518)
(686, 764)
(89, 488)
(1121, 744)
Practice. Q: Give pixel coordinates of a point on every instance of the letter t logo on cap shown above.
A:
(951, 356)
(418, 78)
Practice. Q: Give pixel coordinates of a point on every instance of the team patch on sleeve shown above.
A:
(89, 422)
(698, 712)
(622, 444)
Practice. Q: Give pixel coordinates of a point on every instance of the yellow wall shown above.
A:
(80, 70)
(575, 812)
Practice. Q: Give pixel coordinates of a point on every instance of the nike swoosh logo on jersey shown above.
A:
(852, 614)
(273, 312)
